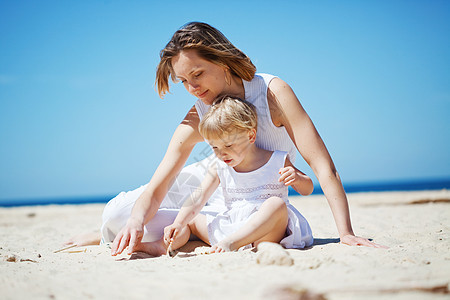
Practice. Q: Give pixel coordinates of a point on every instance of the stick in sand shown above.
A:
(170, 252)
(65, 248)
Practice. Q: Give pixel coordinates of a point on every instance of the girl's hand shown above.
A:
(171, 232)
(288, 175)
(295, 178)
(352, 240)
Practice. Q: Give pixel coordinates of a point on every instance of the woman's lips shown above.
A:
(227, 161)
(202, 94)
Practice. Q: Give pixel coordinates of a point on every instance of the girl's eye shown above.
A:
(198, 75)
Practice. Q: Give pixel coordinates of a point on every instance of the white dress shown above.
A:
(245, 192)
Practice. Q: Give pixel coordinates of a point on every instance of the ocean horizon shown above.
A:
(376, 186)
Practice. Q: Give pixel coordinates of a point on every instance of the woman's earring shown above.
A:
(252, 136)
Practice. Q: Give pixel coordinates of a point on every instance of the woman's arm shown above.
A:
(183, 141)
(194, 204)
(303, 133)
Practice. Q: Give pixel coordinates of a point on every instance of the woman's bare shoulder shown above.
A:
(192, 118)
(281, 97)
(187, 132)
(278, 87)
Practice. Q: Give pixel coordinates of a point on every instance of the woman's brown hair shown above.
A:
(210, 44)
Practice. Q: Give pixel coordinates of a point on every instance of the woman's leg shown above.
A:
(159, 247)
(114, 217)
(118, 210)
(153, 230)
(267, 224)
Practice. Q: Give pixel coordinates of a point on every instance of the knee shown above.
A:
(276, 203)
(115, 216)
(111, 214)
(277, 207)
(111, 224)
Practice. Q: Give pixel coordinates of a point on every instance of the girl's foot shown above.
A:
(222, 246)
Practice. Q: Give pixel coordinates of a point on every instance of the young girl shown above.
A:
(254, 182)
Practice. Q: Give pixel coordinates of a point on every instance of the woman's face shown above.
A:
(201, 78)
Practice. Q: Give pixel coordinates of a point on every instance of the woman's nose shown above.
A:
(192, 88)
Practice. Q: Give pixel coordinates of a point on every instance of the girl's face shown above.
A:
(232, 148)
(201, 78)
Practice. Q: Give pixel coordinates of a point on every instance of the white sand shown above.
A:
(416, 266)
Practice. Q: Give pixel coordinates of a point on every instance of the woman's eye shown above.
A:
(198, 75)
(228, 146)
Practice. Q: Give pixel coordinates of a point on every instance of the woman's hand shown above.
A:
(353, 240)
(131, 235)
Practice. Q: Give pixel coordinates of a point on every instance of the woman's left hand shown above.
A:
(353, 240)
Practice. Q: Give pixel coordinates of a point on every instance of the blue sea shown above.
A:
(388, 186)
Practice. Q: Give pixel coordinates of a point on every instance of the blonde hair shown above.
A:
(227, 115)
(210, 45)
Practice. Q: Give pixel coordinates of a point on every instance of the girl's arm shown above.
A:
(192, 206)
(299, 181)
(310, 145)
(183, 141)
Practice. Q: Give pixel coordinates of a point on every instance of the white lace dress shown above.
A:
(245, 192)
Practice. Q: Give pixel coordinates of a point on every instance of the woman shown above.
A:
(209, 66)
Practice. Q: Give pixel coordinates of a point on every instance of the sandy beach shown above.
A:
(415, 226)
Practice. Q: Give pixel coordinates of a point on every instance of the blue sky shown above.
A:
(79, 115)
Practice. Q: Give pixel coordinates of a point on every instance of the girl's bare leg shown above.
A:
(199, 229)
(267, 224)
